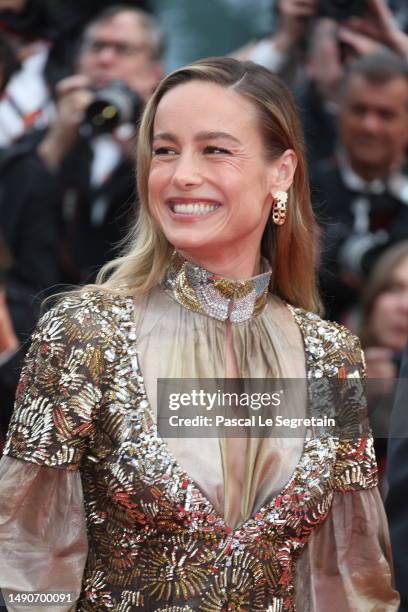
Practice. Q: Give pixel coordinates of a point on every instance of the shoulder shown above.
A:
(81, 325)
(80, 339)
(334, 349)
(83, 314)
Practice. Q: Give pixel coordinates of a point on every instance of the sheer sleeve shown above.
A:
(347, 562)
(43, 544)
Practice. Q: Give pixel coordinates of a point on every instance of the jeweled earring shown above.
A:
(279, 207)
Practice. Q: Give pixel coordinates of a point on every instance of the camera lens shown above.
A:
(111, 107)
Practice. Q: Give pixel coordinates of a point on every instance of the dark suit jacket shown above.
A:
(397, 499)
(29, 227)
(332, 201)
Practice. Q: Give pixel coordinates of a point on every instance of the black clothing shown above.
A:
(28, 224)
(358, 223)
(319, 125)
(397, 499)
(59, 229)
(94, 218)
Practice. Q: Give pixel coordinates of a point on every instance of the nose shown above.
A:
(187, 173)
(371, 122)
(107, 55)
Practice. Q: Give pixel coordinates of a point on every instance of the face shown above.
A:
(210, 184)
(119, 49)
(12, 5)
(389, 319)
(374, 122)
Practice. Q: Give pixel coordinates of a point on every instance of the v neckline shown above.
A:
(217, 520)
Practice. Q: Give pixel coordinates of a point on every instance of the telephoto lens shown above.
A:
(112, 106)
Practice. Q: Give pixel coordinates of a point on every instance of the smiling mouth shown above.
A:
(194, 208)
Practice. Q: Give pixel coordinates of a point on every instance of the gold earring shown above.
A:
(279, 207)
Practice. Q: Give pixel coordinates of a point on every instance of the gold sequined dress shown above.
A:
(94, 501)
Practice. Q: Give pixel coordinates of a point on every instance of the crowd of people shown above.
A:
(73, 82)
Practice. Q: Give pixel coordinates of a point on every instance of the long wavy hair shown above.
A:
(291, 248)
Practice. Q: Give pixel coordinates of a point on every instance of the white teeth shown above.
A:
(194, 209)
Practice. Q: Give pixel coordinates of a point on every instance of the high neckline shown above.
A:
(221, 298)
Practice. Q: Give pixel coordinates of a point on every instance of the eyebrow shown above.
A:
(199, 136)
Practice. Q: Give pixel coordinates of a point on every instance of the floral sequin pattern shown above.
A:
(156, 542)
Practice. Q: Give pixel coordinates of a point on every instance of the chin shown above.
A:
(196, 242)
(189, 243)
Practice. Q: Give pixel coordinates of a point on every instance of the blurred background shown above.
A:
(73, 80)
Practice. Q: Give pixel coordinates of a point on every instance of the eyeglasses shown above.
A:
(122, 49)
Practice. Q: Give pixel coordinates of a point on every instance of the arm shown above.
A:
(274, 51)
(379, 26)
(42, 532)
(348, 560)
(74, 95)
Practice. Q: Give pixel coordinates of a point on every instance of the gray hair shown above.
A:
(147, 21)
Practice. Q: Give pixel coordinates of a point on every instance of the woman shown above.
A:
(384, 334)
(384, 313)
(223, 524)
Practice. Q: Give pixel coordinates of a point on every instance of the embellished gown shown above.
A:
(94, 501)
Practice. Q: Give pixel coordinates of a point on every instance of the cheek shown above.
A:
(158, 179)
(383, 314)
(154, 188)
(398, 135)
(346, 124)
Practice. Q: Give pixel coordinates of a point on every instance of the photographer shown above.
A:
(95, 169)
(346, 31)
(78, 185)
(361, 195)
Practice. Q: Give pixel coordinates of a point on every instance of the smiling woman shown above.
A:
(213, 190)
(218, 282)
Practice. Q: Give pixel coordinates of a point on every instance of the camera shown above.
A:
(112, 106)
(340, 9)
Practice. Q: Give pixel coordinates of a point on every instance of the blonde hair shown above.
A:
(290, 248)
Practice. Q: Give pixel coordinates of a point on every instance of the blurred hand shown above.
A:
(360, 44)
(126, 138)
(8, 339)
(325, 67)
(73, 97)
(293, 20)
(379, 25)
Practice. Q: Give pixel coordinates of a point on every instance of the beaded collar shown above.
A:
(206, 293)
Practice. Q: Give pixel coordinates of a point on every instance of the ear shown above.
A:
(283, 171)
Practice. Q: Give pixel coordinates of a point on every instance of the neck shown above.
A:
(370, 172)
(233, 265)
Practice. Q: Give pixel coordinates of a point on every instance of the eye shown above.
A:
(164, 151)
(217, 150)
